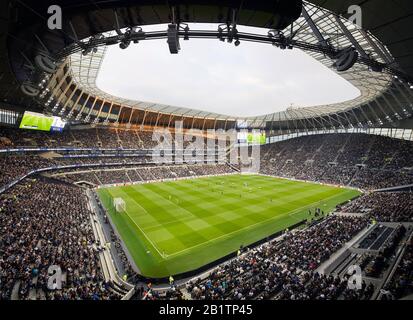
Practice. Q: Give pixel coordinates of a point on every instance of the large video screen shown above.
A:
(38, 121)
(251, 138)
(256, 138)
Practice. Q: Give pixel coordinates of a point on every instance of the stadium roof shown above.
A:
(389, 21)
(383, 99)
(371, 84)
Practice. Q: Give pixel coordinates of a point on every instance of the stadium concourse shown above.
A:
(72, 229)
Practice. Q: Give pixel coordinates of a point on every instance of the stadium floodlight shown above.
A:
(376, 68)
(86, 51)
(345, 59)
(186, 35)
(220, 33)
(173, 38)
(138, 35)
(124, 44)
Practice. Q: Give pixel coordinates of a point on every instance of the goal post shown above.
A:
(119, 204)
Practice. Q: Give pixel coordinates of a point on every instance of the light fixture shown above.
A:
(86, 51)
(186, 34)
(124, 44)
(173, 39)
(345, 59)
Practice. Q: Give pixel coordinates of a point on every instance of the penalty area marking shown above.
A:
(163, 255)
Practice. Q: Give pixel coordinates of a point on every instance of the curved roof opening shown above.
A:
(208, 75)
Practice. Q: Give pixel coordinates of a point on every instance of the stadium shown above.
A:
(172, 192)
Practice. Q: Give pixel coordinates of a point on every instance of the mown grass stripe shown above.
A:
(191, 223)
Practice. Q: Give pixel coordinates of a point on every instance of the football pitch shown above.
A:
(177, 226)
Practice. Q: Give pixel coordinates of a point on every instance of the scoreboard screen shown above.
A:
(38, 121)
(252, 138)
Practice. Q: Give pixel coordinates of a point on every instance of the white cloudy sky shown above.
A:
(249, 80)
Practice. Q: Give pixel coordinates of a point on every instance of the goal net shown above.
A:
(119, 204)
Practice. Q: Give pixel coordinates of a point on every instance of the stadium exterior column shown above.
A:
(54, 92)
(193, 121)
(110, 110)
(144, 117)
(63, 93)
(157, 119)
(76, 102)
(120, 111)
(101, 107)
(130, 117)
(91, 108)
(203, 124)
(225, 126)
(83, 106)
(70, 98)
(170, 119)
(55, 75)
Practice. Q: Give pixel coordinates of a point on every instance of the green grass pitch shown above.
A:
(178, 226)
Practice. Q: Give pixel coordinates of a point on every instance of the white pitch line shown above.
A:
(222, 236)
(245, 228)
(141, 230)
(311, 204)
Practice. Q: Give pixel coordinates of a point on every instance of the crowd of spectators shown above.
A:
(14, 167)
(104, 176)
(46, 223)
(359, 160)
(285, 269)
(384, 206)
(112, 138)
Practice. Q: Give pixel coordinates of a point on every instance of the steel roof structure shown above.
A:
(382, 73)
(371, 84)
